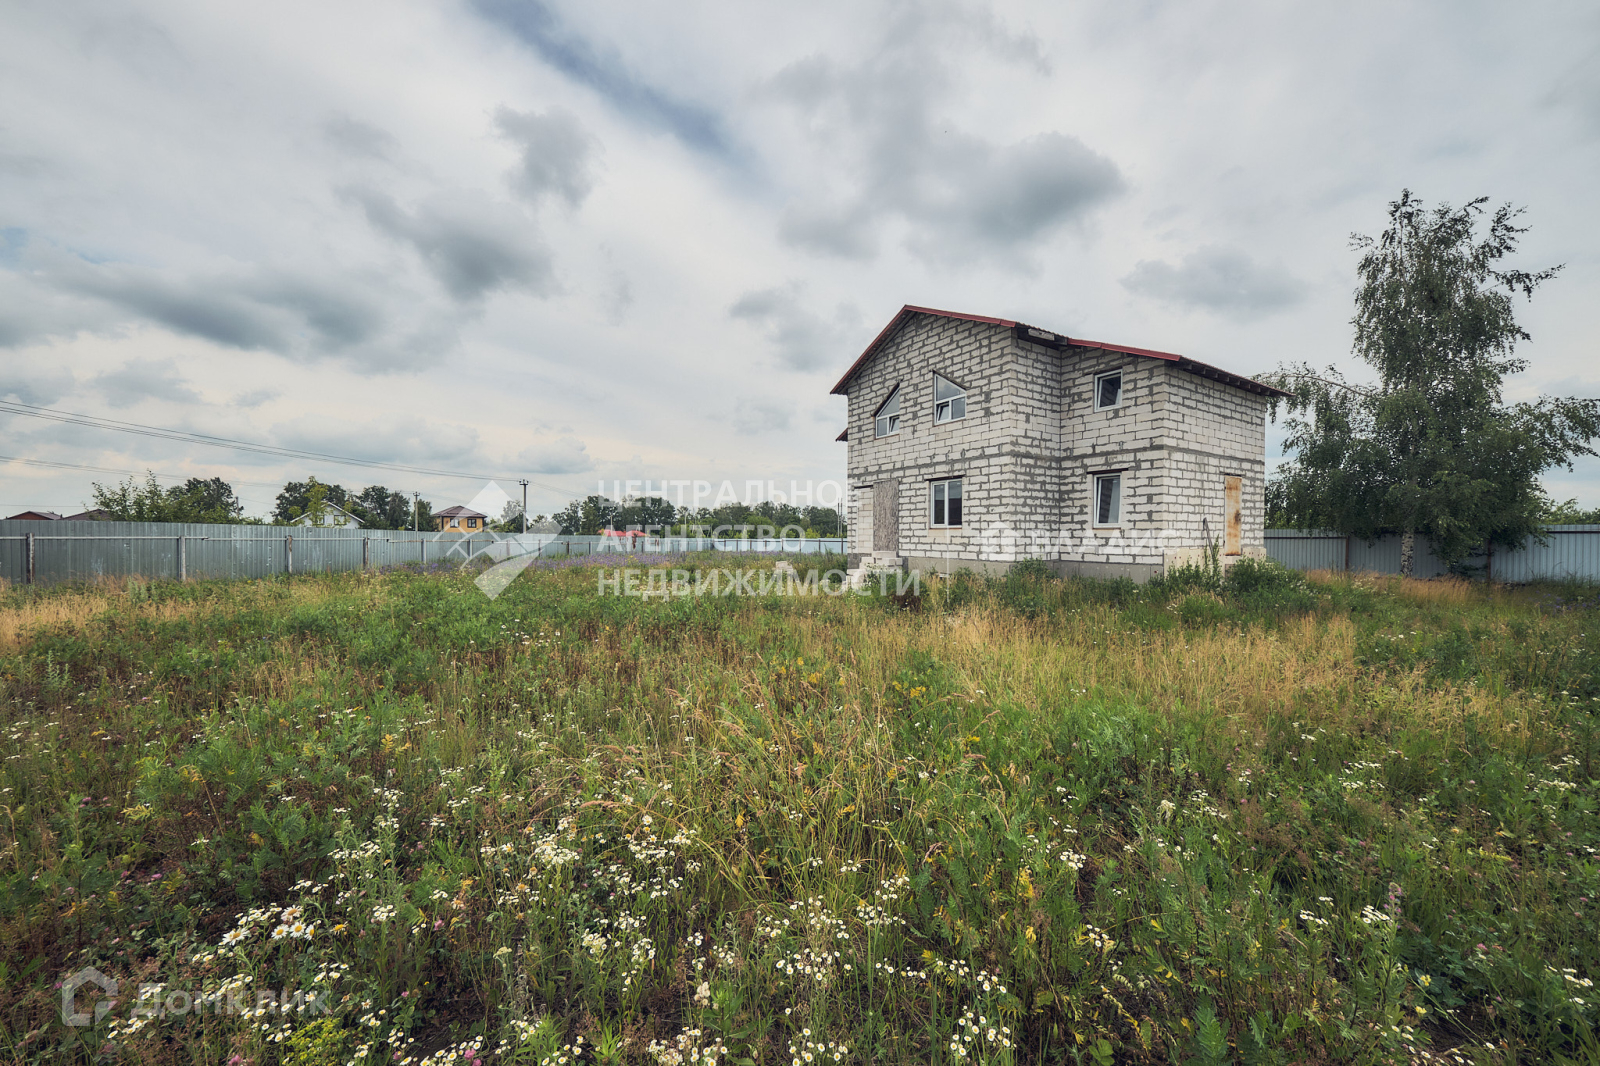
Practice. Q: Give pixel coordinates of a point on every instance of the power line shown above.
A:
(184, 436)
(51, 463)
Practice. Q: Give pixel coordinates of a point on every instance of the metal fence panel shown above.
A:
(1306, 551)
(1568, 552)
(85, 551)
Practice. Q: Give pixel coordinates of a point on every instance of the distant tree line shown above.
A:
(655, 516)
(213, 500)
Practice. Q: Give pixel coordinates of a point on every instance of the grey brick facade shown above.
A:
(1032, 442)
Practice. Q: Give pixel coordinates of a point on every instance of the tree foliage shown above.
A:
(296, 498)
(375, 507)
(1431, 448)
(379, 507)
(201, 500)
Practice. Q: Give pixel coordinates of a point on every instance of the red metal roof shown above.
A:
(1055, 340)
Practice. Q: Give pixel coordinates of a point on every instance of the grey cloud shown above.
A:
(404, 440)
(473, 246)
(33, 384)
(339, 319)
(557, 154)
(847, 230)
(136, 42)
(1579, 89)
(257, 310)
(144, 379)
(1222, 280)
(359, 138)
(205, 308)
(752, 418)
(800, 338)
(603, 70)
(618, 298)
(22, 166)
(1012, 195)
(255, 398)
(305, 316)
(564, 456)
(961, 195)
(32, 310)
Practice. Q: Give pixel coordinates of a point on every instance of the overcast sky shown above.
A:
(573, 242)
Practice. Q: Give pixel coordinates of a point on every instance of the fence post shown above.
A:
(29, 568)
(288, 550)
(183, 561)
(366, 553)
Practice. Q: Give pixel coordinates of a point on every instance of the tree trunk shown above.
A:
(1408, 546)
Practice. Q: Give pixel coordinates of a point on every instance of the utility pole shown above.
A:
(416, 512)
(524, 483)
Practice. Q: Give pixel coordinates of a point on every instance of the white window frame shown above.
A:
(893, 420)
(960, 397)
(1098, 378)
(1095, 481)
(939, 493)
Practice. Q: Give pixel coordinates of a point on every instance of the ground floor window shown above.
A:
(1108, 499)
(944, 499)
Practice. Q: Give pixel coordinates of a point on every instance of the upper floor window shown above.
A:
(949, 400)
(889, 414)
(1108, 390)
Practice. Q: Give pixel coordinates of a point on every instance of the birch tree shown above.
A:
(1431, 448)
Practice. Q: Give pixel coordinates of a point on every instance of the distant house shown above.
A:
(333, 516)
(35, 516)
(459, 519)
(94, 514)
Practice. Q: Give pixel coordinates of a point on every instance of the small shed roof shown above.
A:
(35, 516)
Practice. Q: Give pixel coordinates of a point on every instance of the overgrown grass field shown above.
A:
(1263, 819)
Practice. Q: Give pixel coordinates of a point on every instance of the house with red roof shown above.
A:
(978, 442)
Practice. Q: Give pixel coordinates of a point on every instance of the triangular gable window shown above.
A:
(949, 400)
(889, 414)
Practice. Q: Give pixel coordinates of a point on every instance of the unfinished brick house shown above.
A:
(976, 442)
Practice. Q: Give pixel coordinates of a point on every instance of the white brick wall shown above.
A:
(1032, 440)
